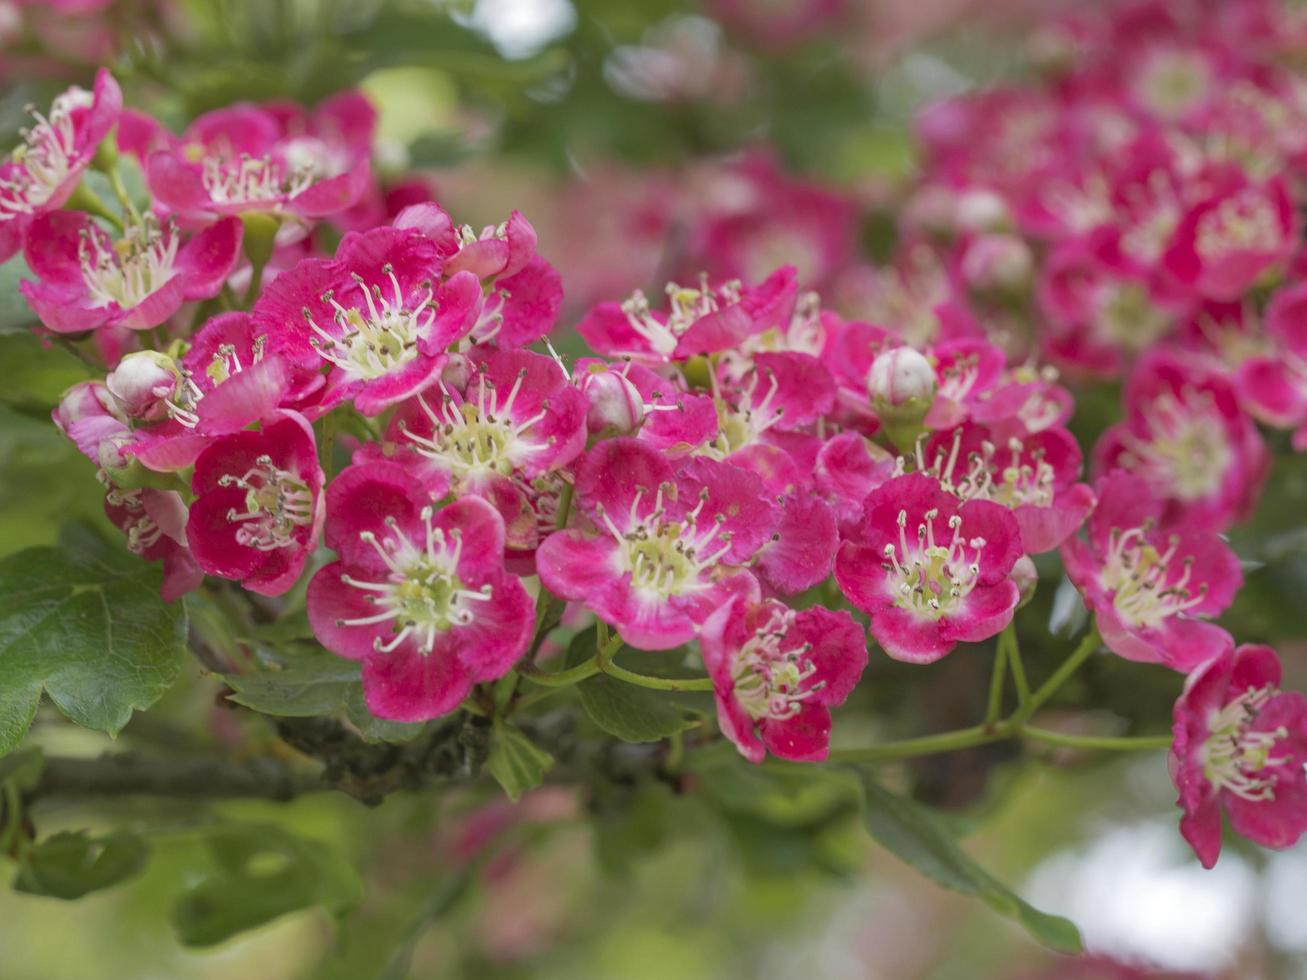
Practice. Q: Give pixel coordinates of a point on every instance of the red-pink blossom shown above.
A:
(777, 673)
(154, 522)
(419, 594)
(1147, 586)
(258, 505)
(1240, 746)
(929, 570)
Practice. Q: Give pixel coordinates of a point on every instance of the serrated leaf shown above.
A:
(70, 865)
(302, 681)
(90, 630)
(258, 873)
(916, 836)
(517, 763)
(632, 713)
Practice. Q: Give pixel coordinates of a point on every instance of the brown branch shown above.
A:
(132, 774)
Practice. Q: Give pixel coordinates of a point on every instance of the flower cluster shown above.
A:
(299, 363)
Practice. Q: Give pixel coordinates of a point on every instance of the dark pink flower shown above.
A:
(1147, 587)
(1186, 435)
(513, 418)
(929, 570)
(88, 280)
(1240, 746)
(777, 673)
(1033, 475)
(42, 174)
(247, 158)
(377, 315)
(258, 505)
(667, 547)
(419, 595)
(154, 522)
(1234, 236)
(698, 321)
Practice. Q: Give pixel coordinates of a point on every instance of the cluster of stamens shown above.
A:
(370, 344)
(685, 306)
(1026, 479)
(277, 502)
(125, 272)
(771, 681)
(1139, 575)
(932, 577)
(421, 593)
(752, 414)
(668, 557)
(142, 533)
(1186, 447)
(476, 437)
(1235, 758)
(251, 179)
(1246, 221)
(44, 159)
(187, 393)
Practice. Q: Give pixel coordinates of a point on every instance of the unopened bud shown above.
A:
(997, 263)
(90, 399)
(901, 384)
(980, 209)
(615, 404)
(1026, 577)
(142, 383)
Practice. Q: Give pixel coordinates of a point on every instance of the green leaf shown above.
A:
(15, 314)
(89, 629)
(517, 763)
(916, 836)
(70, 865)
(257, 873)
(23, 769)
(302, 681)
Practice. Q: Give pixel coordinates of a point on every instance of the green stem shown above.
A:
(1088, 645)
(995, 704)
(604, 657)
(1017, 667)
(563, 678)
(256, 283)
(1135, 743)
(564, 506)
(963, 738)
(120, 192)
(85, 199)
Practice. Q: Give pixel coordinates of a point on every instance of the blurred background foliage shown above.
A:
(514, 104)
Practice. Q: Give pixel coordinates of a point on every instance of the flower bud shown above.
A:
(142, 383)
(88, 400)
(901, 384)
(615, 404)
(980, 209)
(997, 263)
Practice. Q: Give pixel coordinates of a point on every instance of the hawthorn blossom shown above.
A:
(154, 522)
(665, 548)
(87, 280)
(1240, 747)
(777, 673)
(1148, 586)
(377, 316)
(929, 570)
(1185, 434)
(258, 505)
(42, 173)
(419, 594)
(700, 320)
(1034, 475)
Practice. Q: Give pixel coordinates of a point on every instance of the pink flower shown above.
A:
(777, 673)
(1273, 384)
(1147, 586)
(699, 321)
(667, 546)
(1240, 746)
(1185, 434)
(88, 280)
(258, 505)
(1034, 475)
(89, 415)
(928, 570)
(377, 316)
(513, 419)
(419, 595)
(1234, 236)
(42, 174)
(248, 158)
(154, 522)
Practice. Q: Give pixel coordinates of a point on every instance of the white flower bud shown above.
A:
(142, 383)
(899, 376)
(615, 404)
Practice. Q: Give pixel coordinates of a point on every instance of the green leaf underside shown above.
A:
(516, 762)
(916, 836)
(91, 631)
